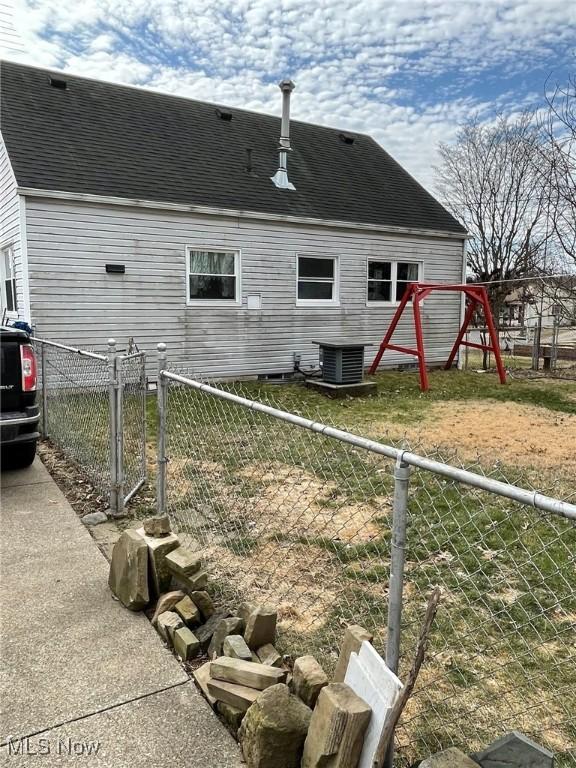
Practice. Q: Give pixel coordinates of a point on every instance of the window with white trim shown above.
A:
(387, 280)
(213, 277)
(8, 269)
(317, 280)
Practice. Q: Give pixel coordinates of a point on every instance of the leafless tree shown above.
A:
(491, 179)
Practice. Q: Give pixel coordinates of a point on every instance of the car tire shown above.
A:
(20, 456)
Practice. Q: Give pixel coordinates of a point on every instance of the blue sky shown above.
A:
(407, 72)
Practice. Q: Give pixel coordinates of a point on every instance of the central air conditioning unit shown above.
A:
(342, 362)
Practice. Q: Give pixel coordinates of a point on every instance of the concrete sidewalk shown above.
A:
(78, 668)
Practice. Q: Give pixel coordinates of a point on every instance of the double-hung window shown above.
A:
(8, 287)
(317, 280)
(388, 280)
(213, 277)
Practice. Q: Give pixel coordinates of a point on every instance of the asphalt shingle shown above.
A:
(104, 139)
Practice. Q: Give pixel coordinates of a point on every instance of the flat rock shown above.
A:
(188, 611)
(205, 631)
(183, 561)
(128, 577)
(308, 680)
(337, 728)
(158, 548)
(267, 654)
(186, 644)
(514, 750)
(167, 624)
(239, 696)
(166, 602)
(202, 676)
(230, 626)
(157, 526)
(204, 602)
(242, 672)
(260, 627)
(449, 758)
(235, 647)
(273, 731)
(354, 636)
(94, 518)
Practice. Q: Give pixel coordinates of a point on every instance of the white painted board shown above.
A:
(370, 678)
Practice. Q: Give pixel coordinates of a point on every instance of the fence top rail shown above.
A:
(82, 352)
(523, 496)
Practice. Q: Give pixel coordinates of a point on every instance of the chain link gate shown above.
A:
(93, 408)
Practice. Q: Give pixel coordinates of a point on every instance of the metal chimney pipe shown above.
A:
(280, 178)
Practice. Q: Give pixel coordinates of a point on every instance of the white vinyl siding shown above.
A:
(11, 207)
(74, 300)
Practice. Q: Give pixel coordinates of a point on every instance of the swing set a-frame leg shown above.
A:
(467, 319)
(391, 329)
(424, 386)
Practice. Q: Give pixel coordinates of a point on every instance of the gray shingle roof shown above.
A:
(104, 139)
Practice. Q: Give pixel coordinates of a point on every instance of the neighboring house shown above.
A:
(553, 299)
(130, 213)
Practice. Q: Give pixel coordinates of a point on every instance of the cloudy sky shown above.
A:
(405, 71)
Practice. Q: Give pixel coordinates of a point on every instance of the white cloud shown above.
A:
(357, 65)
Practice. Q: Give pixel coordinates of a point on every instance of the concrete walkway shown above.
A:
(76, 668)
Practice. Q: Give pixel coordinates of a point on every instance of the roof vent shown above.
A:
(280, 178)
(56, 82)
(227, 116)
(345, 138)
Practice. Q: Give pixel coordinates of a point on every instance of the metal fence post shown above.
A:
(112, 392)
(396, 585)
(161, 394)
(44, 390)
(119, 387)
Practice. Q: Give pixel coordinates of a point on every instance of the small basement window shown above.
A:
(213, 277)
(317, 280)
(8, 284)
(387, 280)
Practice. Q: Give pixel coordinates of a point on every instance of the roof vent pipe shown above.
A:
(280, 178)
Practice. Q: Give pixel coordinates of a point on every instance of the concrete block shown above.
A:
(156, 526)
(354, 636)
(204, 602)
(261, 627)
(128, 577)
(186, 644)
(267, 654)
(230, 626)
(188, 611)
(308, 680)
(514, 750)
(273, 731)
(158, 548)
(183, 562)
(337, 729)
(167, 624)
(239, 696)
(241, 672)
(202, 676)
(235, 647)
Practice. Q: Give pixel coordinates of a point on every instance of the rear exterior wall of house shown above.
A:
(74, 300)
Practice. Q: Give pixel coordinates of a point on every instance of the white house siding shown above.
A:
(10, 216)
(74, 300)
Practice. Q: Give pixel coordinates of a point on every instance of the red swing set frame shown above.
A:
(417, 292)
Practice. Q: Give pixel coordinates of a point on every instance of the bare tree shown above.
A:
(492, 180)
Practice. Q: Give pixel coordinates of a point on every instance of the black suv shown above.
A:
(19, 414)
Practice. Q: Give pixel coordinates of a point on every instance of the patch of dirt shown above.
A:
(302, 581)
(82, 495)
(301, 503)
(520, 435)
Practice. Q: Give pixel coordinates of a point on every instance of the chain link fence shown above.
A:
(93, 409)
(335, 529)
